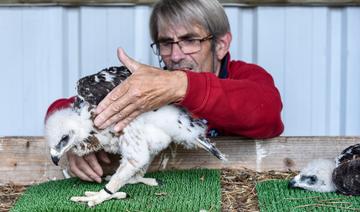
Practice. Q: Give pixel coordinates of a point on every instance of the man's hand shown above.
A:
(148, 88)
(88, 168)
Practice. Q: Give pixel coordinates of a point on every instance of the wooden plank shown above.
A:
(149, 2)
(25, 160)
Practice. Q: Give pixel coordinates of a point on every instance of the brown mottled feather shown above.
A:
(93, 142)
(346, 177)
(95, 87)
(350, 153)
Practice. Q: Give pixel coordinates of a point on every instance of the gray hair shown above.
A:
(208, 14)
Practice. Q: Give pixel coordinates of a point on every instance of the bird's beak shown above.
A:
(55, 160)
(55, 156)
(292, 183)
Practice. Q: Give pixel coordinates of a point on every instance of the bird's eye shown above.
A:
(64, 138)
(312, 179)
(309, 179)
(63, 142)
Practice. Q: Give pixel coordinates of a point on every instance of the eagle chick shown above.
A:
(341, 175)
(69, 127)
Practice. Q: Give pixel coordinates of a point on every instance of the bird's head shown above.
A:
(316, 176)
(66, 128)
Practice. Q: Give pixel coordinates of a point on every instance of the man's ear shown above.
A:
(223, 45)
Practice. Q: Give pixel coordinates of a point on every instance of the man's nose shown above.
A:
(177, 54)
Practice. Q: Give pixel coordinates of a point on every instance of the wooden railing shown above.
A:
(25, 160)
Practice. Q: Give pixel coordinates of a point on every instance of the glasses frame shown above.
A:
(156, 49)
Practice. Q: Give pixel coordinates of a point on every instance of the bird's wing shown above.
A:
(350, 153)
(346, 177)
(93, 88)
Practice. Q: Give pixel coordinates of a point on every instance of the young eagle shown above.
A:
(341, 175)
(69, 127)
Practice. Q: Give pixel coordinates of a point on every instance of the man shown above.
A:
(192, 38)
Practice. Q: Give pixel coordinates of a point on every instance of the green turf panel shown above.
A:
(274, 195)
(190, 190)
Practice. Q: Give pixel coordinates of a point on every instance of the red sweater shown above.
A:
(243, 100)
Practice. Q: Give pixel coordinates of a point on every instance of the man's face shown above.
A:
(200, 61)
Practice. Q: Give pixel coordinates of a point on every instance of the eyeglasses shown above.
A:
(187, 46)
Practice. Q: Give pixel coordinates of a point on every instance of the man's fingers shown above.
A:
(88, 171)
(118, 117)
(111, 114)
(122, 124)
(94, 164)
(75, 170)
(81, 168)
(80, 174)
(111, 97)
(130, 63)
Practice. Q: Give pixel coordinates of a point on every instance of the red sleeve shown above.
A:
(247, 103)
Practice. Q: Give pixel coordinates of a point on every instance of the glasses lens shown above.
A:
(165, 48)
(190, 46)
(187, 46)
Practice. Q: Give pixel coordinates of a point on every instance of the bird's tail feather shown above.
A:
(205, 144)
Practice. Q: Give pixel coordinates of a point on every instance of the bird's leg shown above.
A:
(146, 181)
(136, 157)
(119, 179)
(139, 177)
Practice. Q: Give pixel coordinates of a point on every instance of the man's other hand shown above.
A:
(148, 88)
(87, 167)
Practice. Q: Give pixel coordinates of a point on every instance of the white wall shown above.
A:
(313, 54)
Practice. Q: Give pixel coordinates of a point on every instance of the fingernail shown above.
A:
(97, 121)
(98, 110)
(107, 160)
(117, 128)
(98, 179)
(103, 126)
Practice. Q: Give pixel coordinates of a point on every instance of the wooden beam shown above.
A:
(25, 160)
(150, 2)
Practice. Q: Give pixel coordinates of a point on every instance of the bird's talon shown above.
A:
(74, 199)
(91, 204)
(94, 198)
(90, 193)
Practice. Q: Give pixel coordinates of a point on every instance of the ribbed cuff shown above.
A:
(197, 91)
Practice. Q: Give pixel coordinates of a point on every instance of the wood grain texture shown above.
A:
(25, 160)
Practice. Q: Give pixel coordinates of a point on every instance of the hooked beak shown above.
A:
(292, 184)
(55, 160)
(55, 156)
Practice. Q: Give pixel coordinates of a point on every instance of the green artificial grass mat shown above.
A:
(274, 195)
(190, 190)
